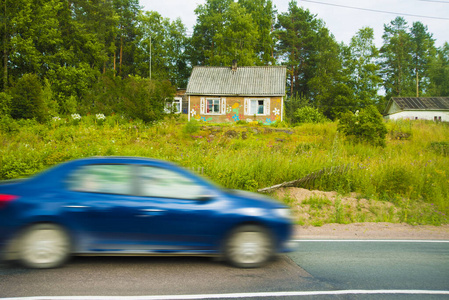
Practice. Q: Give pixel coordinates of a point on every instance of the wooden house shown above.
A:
(231, 94)
(418, 108)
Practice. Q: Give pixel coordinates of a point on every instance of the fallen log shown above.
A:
(305, 180)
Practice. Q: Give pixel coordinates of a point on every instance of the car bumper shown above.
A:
(290, 246)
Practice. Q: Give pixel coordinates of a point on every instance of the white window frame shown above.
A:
(170, 105)
(266, 106)
(176, 101)
(221, 106)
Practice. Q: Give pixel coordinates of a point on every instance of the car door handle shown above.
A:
(152, 210)
(76, 206)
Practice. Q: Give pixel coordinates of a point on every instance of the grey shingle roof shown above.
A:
(245, 81)
(421, 103)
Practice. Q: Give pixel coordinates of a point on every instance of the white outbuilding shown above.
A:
(418, 108)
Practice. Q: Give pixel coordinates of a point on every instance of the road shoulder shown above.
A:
(373, 231)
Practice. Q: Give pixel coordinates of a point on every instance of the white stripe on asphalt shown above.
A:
(374, 241)
(238, 295)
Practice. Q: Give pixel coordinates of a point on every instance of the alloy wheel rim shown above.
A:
(249, 247)
(44, 246)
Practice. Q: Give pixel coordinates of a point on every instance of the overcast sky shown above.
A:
(343, 22)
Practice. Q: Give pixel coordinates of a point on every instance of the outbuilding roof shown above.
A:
(244, 81)
(422, 103)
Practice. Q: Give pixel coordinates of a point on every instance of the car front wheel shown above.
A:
(249, 246)
(44, 246)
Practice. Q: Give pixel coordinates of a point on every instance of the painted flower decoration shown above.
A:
(193, 112)
(236, 117)
(276, 111)
(228, 109)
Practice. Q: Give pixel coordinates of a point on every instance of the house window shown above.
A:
(173, 107)
(256, 107)
(212, 106)
(177, 105)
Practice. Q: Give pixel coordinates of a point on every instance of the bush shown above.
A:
(191, 127)
(366, 126)
(27, 99)
(292, 104)
(5, 104)
(308, 114)
(400, 130)
(145, 99)
(441, 148)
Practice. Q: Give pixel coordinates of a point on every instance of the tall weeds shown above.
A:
(411, 171)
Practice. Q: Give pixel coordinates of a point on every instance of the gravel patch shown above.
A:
(381, 231)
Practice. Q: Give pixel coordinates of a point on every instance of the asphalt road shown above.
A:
(318, 270)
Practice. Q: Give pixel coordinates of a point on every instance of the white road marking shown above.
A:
(238, 295)
(374, 241)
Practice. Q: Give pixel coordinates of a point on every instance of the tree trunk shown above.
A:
(5, 54)
(417, 84)
(115, 58)
(121, 53)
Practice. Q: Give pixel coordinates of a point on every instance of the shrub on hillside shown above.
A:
(308, 114)
(27, 99)
(364, 126)
(292, 104)
(5, 104)
(145, 99)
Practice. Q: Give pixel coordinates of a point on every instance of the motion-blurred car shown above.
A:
(137, 206)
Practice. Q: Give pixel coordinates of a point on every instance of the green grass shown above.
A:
(411, 172)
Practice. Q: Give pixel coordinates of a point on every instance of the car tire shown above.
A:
(44, 246)
(248, 246)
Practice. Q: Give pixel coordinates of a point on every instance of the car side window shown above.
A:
(108, 179)
(163, 183)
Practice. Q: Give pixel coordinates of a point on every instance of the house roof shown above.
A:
(421, 103)
(245, 81)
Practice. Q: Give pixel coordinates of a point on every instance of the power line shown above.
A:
(445, 2)
(377, 11)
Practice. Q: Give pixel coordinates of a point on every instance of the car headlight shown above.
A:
(284, 213)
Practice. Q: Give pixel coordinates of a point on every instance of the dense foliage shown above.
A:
(366, 126)
(410, 172)
(77, 50)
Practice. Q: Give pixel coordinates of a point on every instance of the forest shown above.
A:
(61, 57)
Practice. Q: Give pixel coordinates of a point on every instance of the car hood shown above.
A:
(255, 197)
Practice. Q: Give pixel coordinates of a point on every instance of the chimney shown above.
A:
(234, 65)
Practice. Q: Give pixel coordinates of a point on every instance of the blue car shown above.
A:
(135, 206)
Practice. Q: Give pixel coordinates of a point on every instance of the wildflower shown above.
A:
(76, 117)
(100, 116)
(55, 119)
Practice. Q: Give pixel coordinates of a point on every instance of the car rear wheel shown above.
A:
(249, 246)
(44, 246)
